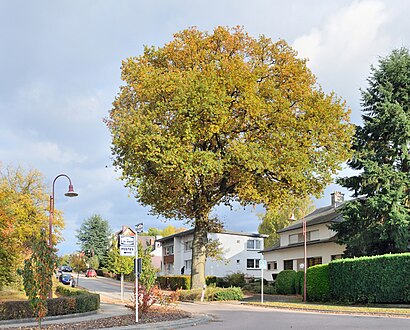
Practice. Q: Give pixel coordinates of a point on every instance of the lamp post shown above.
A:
(292, 218)
(69, 193)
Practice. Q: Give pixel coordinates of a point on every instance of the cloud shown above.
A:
(351, 32)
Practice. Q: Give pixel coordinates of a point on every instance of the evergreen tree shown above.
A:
(377, 221)
(94, 237)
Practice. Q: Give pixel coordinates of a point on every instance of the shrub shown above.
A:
(379, 279)
(236, 279)
(73, 301)
(318, 283)
(299, 279)
(255, 287)
(209, 280)
(212, 294)
(285, 282)
(174, 282)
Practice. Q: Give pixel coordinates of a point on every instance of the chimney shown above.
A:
(337, 198)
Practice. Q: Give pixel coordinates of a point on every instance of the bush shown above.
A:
(73, 301)
(174, 282)
(318, 283)
(209, 280)
(379, 279)
(236, 279)
(299, 279)
(285, 282)
(212, 294)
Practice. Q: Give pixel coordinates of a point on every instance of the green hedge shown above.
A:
(379, 279)
(183, 282)
(174, 282)
(73, 301)
(285, 282)
(318, 283)
(212, 294)
(299, 279)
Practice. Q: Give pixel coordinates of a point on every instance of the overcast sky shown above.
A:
(60, 71)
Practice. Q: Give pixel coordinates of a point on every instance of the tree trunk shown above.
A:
(199, 253)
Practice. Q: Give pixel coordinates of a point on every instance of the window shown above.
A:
(253, 244)
(272, 265)
(312, 235)
(314, 261)
(169, 250)
(238, 261)
(188, 246)
(188, 265)
(288, 264)
(336, 256)
(252, 263)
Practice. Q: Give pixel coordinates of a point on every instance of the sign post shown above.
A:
(263, 265)
(138, 229)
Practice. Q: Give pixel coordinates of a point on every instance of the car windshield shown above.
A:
(66, 277)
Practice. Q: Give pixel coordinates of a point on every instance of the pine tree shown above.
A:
(377, 221)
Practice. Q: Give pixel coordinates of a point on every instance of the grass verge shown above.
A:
(365, 310)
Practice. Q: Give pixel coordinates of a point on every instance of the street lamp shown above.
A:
(69, 193)
(292, 218)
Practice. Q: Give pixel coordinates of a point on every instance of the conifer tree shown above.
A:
(377, 221)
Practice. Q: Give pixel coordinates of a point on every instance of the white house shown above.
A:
(320, 241)
(240, 253)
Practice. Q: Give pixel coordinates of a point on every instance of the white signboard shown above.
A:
(127, 240)
(128, 251)
(263, 264)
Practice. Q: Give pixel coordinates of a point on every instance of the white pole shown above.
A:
(262, 285)
(122, 286)
(136, 275)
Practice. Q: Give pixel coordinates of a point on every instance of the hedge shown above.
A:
(379, 279)
(318, 283)
(285, 282)
(212, 294)
(299, 281)
(73, 301)
(183, 282)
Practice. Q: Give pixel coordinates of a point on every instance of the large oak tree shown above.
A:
(213, 118)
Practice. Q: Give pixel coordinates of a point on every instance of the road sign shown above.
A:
(139, 227)
(263, 264)
(128, 251)
(127, 240)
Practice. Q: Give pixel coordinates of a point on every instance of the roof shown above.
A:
(327, 214)
(228, 232)
(278, 247)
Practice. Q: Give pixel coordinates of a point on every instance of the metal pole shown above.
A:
(262, 285)
(136, 275)
(305, 260)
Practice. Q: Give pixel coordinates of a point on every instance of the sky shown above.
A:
(60, 72)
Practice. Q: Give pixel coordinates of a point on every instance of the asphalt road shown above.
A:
(109, 289)
(236, 316)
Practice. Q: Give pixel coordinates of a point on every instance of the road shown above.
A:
(236, 316)
(109, 289)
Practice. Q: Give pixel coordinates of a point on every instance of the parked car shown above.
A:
(67, 279)
(66, 269)
(90, 273)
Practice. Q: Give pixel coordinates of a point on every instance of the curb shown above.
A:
(47, 318)
(191, 321)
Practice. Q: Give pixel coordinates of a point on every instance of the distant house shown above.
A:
(240, 253)
(148, 243)
(321, 241)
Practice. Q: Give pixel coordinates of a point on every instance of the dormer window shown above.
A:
(312, 235)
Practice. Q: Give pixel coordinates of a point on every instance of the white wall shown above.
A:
(323, 250)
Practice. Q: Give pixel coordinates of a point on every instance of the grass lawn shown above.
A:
(379, 310)
(9, 294)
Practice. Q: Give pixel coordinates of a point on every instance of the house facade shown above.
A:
(148, 243)
(321, 245)
(240, 252)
